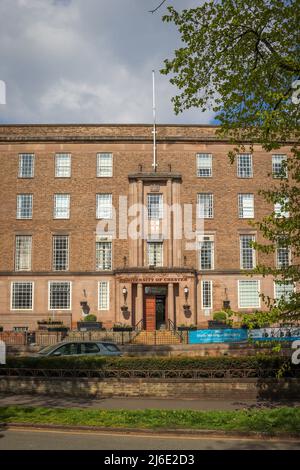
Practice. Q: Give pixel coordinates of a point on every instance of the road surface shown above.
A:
(28, 439)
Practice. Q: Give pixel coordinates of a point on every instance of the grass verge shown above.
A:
(273, 421)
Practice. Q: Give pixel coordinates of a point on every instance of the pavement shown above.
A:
(138, 403)
(33, 439)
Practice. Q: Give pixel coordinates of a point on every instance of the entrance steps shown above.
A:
(156, 337)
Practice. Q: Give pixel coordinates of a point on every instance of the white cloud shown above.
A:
(86, 61)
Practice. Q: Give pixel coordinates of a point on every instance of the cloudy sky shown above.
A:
(87, 61)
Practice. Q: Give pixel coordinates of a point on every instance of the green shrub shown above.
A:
(220, 316)
(90, 317)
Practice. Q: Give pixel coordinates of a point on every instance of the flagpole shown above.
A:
(154, 164)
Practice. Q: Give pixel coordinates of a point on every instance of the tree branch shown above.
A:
(158, 7)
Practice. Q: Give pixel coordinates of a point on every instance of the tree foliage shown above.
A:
(241, 58)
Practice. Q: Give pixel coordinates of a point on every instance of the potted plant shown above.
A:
(89, 323)
(184, 327)
(221, 320)
(122, 327)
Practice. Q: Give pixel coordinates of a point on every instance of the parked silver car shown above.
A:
(81, 348)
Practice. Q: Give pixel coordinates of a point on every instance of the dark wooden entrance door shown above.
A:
(150, 312)
(160, 311)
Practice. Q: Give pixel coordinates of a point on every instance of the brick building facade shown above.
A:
(70, 207)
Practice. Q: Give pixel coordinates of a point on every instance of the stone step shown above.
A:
(156, 337)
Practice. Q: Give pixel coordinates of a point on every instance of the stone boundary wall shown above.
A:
(237, 389)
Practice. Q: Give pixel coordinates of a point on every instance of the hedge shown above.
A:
(150, 363)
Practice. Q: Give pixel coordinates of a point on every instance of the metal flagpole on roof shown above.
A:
(154, 164)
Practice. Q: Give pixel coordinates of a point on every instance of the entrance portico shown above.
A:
(157, 300)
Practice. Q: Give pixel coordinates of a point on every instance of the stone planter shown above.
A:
(217, 325)
(186, 328)
(89, 325)
(122, 328)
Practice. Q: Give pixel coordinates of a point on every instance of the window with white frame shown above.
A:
(104, 165)
(63, 165)
(23, 252)
(205, 205)
(206, 288)
(26, 165)
(244, 165)
(24, 206)
(61, 206)
(103, 254)
(155, 206)
(204, 165)
(155, 253)
(283, 291)
(103, 295)
(279, 169)
(246, 206)
(247, 252)
(59, 295)
(283, 257)
(281, 208)
(104, 206)
(22, 295)
(248, 292)
(206, 252)
(60, 252)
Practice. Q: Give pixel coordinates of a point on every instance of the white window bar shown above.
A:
(26, 165)
(61, 206)
(103, 295)
(246, 206)
(104, 165)
(280, 209)
(63, 165)
(59, 295)
(205, 205)
(22, 295)
(24, 206)
(60, 253)
(103, 255)
(206, 254)
(283, 257)
(155, 254)
(284, 291)
(104, 206)
(155, 206)
(23, 252)
(204, 165)
(248, 292)
(206, 294)
(279, 169)
(247, 252)
(244, 165)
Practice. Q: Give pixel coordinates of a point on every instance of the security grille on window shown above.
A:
(246, 206)
(244, 166)
(280, 209)
(205, 206)
(206, 253)
(24, 206)
(60, 295)
(206, 294)
(62, 206)
(103, 255)
(104, 206)
(279, 169)
(284, 291)
(204, 165)
(60, 253)
(23, 253)
(155, 206)
(26, 165)
(247, 251)
(104, 165)
(103, 291)
(283, 257)
(63, 165)
(155, 254)
(249, 294)
(21, 296)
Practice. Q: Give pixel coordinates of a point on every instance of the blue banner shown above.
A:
(226, 335)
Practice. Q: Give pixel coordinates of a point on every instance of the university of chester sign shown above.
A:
(154, 279)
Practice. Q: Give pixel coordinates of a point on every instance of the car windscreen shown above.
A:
(48, 349)
(111, 347)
